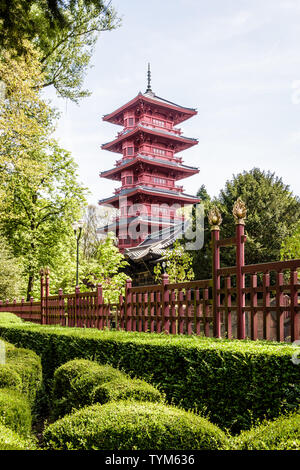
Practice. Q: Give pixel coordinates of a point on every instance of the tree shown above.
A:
(178, 264)
(41, 196)
(64, 32)
(106, 267)
(290, 248)
(95, 217)
(25, 119)
(100, 262)
(272, 214)
(36, 214)
(10, 273)
(202, 259)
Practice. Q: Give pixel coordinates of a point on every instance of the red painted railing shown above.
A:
(270, 310)
(258, 301)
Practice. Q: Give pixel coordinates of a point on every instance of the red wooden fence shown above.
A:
(258, 301)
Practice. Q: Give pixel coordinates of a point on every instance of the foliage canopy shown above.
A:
(64, 33)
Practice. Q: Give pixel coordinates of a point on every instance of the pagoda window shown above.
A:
(159, 180)
(129, 151)
(128, 179)
(158, 122)
(130, 122)
(158, 151)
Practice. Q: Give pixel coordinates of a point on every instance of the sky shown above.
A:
(236, 61)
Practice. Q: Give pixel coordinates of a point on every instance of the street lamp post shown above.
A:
(77, 227)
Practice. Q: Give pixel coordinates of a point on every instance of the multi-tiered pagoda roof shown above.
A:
(149, 166)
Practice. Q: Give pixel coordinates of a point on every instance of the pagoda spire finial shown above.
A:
(149, 80)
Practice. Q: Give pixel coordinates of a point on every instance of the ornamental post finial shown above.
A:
(239, 211)
(214, 218)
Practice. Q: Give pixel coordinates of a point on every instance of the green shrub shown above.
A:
(22, 371)
(10, 440)
(126, 389)
(15, 412)
(28, 366)
(7, 317)
(75, 381)
(9, 378)
(126, 425)
(280, 434)
(238, 382)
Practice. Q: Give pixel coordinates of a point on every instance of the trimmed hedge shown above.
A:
(7, 317)
(75, 381)
(10, 440)
(237, 382)
(9, 378)
(27, 364)
(82, 382)
(127, 389)
(133, 426)
(15, 412)
(281, 434)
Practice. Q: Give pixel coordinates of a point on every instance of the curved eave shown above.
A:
(115, 173)
(114, 145)
(115, 117)
(162, 195)
(124, 223)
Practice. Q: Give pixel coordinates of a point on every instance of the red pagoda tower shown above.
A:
(149, 167)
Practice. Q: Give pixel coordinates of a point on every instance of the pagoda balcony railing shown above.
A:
(178, 189)
(159, 218)
(173, 130)
(167, 158)
(150, 154)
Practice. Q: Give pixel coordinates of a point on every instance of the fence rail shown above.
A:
(259, 301)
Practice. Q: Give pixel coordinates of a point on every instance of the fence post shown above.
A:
(61, 312)
(239, 213)
(77, 293)
(31, 308)
(47, 293)
(42, 281)
(22, 305)
(99, 321)
(215, 221)
(165, 314)
(294, 303)
(128, 307)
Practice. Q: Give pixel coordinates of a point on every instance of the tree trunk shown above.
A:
(29, 286)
